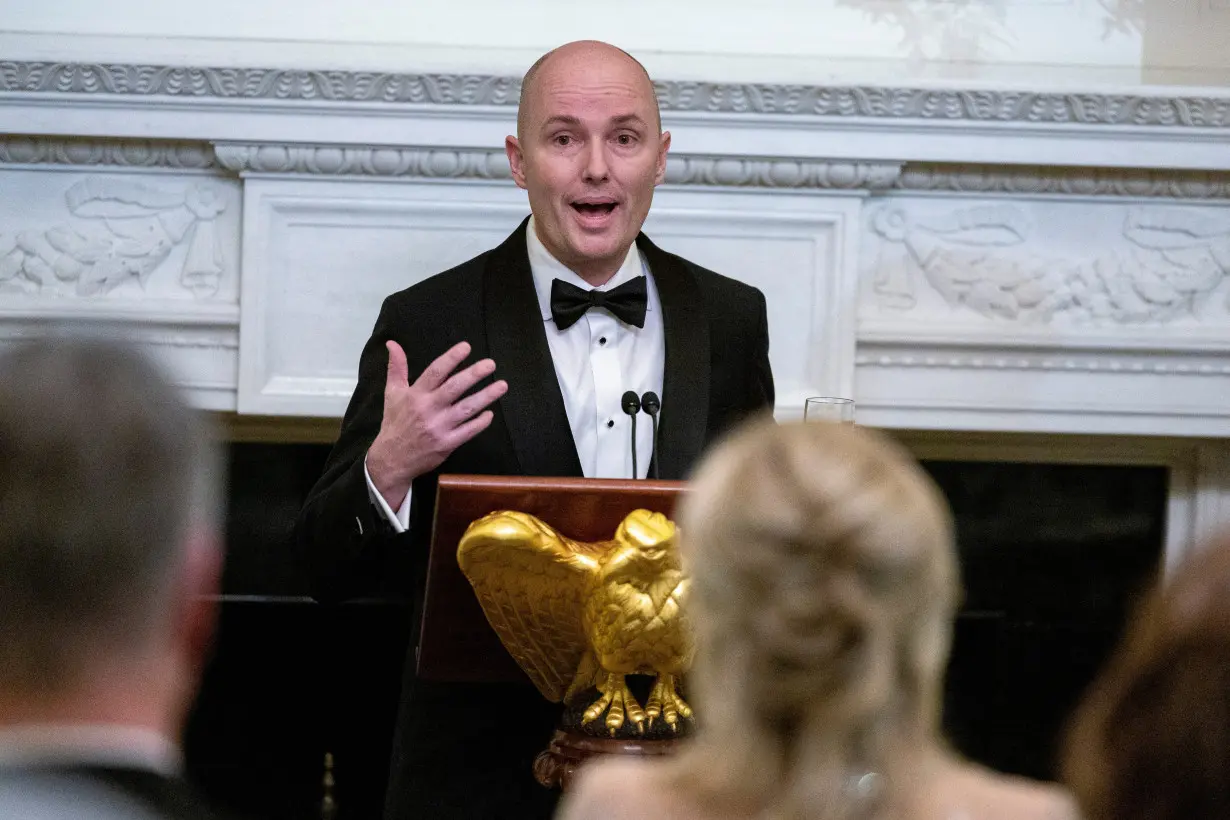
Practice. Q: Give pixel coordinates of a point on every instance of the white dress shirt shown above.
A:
(97, 744)
(596, 361)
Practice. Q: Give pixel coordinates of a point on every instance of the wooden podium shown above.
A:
(456, 643)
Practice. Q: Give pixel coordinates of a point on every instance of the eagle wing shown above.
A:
(530, 582)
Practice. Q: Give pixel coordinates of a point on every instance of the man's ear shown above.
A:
(516, 160)
(664, 145)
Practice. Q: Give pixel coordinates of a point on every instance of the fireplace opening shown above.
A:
(1052, 558)
(291, 680)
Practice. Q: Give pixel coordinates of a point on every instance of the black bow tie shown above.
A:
(627, 302)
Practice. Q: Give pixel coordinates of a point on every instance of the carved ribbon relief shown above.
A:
(123, 231)
(1173, 264)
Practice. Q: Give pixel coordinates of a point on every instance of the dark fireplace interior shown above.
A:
(1053, 556)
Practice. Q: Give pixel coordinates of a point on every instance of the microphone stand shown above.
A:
(651, 404)
(632, 406)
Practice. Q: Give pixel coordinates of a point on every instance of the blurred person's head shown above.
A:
(589, 151)
(824, 581)
(1151, 739)
(108, 538)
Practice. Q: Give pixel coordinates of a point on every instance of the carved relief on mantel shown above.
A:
(1146, 108)
(492, 164)
(120, 236)
(140, 233)
(974, 179)
(125, 153)
(1046, 262)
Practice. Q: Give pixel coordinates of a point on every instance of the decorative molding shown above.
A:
(448, 163)
(1048, 448)
(277, 429)
(1176, 260)
(933, 104)
(258, 83)
(1104, 364)
(491, 164)
(126, 230)
(1041, 179)
(160, 335)
(782, 174)
(842, 102)
(180, 155)
(188, 316)
(431, 163)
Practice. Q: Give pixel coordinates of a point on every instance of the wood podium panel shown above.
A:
(456, 643)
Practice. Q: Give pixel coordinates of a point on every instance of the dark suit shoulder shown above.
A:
(441, 291)
(718, 288)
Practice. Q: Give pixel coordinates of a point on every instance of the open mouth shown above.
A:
(596, 210)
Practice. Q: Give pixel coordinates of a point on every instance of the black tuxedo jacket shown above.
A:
(466, 750)
(716, 373)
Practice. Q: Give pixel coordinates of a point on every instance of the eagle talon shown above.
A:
(598, 707)
(665, 702)
(619, 705)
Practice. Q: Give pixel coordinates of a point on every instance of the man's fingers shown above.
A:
(399, 372)
(439, 370)
(471, 428)
(477, 401)
(459, 383)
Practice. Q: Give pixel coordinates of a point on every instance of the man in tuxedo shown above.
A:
(108, 551)
(575, 308)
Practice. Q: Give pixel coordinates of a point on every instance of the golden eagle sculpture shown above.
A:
(577, 615)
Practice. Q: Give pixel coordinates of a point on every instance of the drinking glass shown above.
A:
(829, 408)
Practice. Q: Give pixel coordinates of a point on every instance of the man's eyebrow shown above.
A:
(561, 119)
(565, 119)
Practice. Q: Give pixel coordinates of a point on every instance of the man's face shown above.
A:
(589, 154)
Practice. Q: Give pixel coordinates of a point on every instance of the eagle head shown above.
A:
(651, 535)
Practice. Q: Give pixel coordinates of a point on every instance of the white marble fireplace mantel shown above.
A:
(973, 261)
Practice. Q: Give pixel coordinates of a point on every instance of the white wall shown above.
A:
(1052, 42)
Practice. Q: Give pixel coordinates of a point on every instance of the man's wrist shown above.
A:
(399, 519)
(390, 483)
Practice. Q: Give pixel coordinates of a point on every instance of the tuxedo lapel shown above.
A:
(533, 407)
(685, 381)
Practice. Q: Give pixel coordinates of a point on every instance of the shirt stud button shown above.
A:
(602, 340)
(610, 422)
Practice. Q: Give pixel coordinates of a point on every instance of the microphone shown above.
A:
(632, 405)
(651, 404)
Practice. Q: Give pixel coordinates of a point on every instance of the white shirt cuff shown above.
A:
(400, 519)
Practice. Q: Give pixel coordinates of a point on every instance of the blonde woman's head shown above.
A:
(825, 582)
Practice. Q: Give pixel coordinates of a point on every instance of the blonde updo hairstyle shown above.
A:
(824, 585)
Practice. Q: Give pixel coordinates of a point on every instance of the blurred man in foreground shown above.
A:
(109, 557)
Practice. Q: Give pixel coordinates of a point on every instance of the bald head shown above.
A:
(589, 151)
(573, 57)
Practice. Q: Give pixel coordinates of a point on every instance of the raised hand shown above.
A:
(426, 421)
